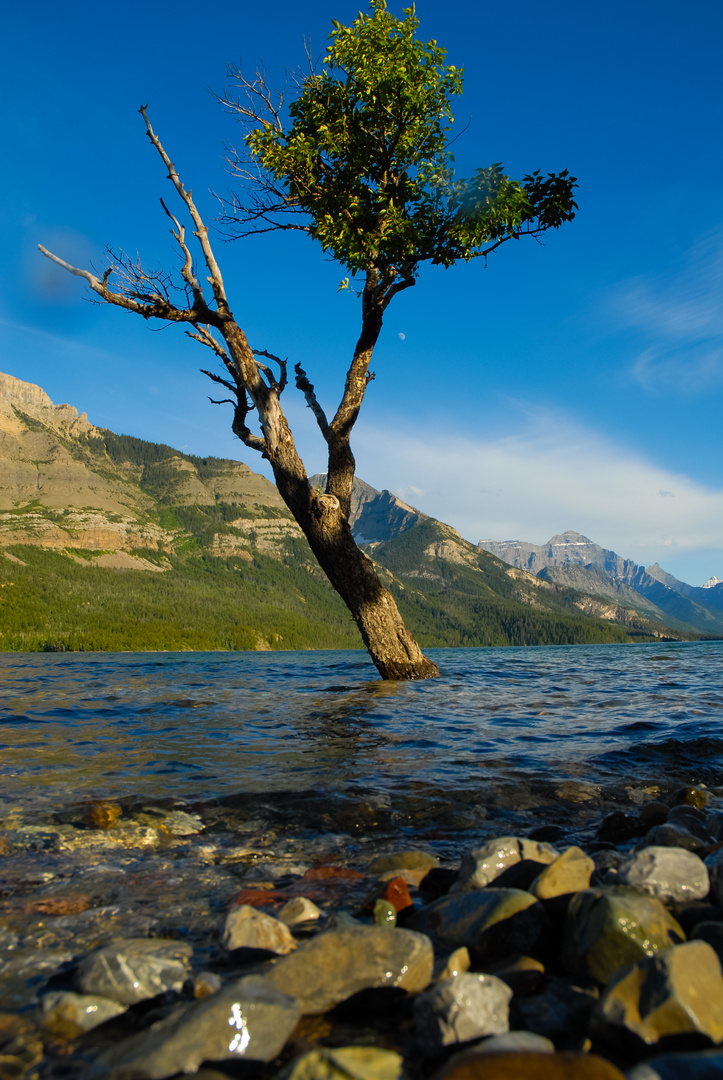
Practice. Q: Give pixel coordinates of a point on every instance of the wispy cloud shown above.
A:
(553, 475)
(682, 318)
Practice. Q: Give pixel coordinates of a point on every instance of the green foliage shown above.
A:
(366, 157)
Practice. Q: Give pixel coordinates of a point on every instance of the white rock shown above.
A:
(299, 910)
(483, 864)
(248, 928)
(465, 1007)
(669, 873)
(714, 866)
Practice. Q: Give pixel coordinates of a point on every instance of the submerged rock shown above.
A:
(133, 969)
(66, 1014)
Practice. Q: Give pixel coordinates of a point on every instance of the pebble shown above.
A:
(123, 944)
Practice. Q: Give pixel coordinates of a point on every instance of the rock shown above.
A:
(299, 910)
(402, 860)
(66, 1014)
(714, 866)
(563, 1008)
(618, 827)
(397, 893)
(678, 992)
(653, 813)
(516, 1040)
(133, 969)
(385, 913)
(523, 974)
(248, 928)
(528, 1065)
(492, 923)
(338, 963)
(606, 928)
(457, 962)
(690, 796)
(672, 835)
(671, 874)
(569, 873)
(345, 1063)
(482, 865)
(712, 932)
(248, 1019)
(459, 1009)
(700, 1065)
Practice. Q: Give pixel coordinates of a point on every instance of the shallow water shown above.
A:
(314, 738)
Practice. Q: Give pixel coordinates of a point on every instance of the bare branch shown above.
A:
(312, 401)
(201, 231)
(152, 306)
(276, 384)
(187, 270)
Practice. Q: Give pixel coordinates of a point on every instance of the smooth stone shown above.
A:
(248, 928)
(714, 866)
(528, 1065)
(338, 963)
(669, 873)
(569, 873)
(690, 796)
(67, 1014)
(678, 992)
(652, 814)
(607, 928)
(299, 910)
(402, 860)
(345, 1063)
(248, 1019)
(672, 835)
(133, 969)
(456, 963)
(700, 1065)
(712, 933)
(385, 913)
(459, 1009)
(516, 1040)
(483, 864)
(492, 923)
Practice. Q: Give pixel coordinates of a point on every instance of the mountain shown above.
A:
(575, 561)
(112, 542)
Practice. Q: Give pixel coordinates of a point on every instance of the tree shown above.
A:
(360, 162)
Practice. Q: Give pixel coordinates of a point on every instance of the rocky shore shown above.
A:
(140, 944)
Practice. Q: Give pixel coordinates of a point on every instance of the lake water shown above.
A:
(314, 742)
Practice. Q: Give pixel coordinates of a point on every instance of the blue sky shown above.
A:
(576, 384)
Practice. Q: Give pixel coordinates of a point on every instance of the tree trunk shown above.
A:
(395, 653)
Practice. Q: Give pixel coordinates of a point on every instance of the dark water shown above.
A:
(314, 741)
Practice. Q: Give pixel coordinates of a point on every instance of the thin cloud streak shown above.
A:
(555, 475)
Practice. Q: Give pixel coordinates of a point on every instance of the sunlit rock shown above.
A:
(568, 873)
(482, 865)
(248, 928)
(133, 969)
(671, 874)
(345, 1063)
(459, 1009)
(492, 923)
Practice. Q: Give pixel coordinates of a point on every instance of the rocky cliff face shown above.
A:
(376, 516)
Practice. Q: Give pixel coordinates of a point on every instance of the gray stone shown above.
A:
(338, 963)
(516, 1040)
(700, 1065)
(67, 1014)
(248, 1019)
(673, 835)
(671, 874)
(459, 1009)
(248, 928)
(133, 969)
(482, 865)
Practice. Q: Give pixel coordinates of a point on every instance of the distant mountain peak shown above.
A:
(568, 537)
(712, 582)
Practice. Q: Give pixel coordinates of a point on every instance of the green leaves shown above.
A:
(365, 156)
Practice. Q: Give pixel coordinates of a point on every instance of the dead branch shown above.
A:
(276, 384)
(312, 401)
